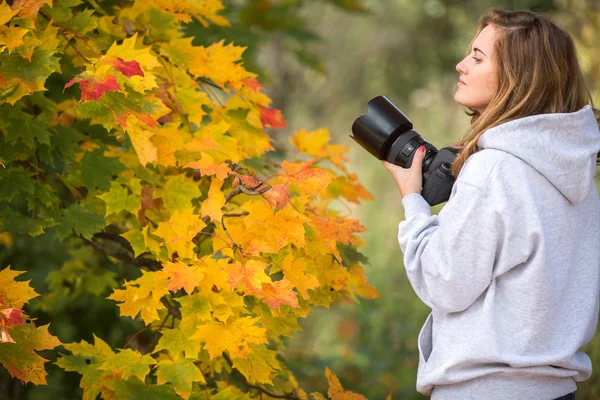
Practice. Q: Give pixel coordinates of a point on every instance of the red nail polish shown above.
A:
(422, 149)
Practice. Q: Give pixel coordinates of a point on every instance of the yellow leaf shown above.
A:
(336, 391)
(128, 51)
(140, 135)
(315, 143)
(234, 337)
(179, 231)
(142, 295)
(11, 37)
(294, 270)
(213, 204)
(14, 294)
(264, 230)
(259, 366)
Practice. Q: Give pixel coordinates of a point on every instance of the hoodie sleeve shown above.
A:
(449, 258)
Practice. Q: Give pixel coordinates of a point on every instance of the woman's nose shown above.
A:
(460, 68)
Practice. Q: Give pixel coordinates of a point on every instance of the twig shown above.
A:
(174, 311)
(155, 338)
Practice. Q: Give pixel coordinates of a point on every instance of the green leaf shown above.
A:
(27, 129)
(128, 363)
(97, 170)
(118, 199)
(181, 373)
(178, 192)
(82, 220)
(83, 22)
(350, 255)
(13, 181)
(24, 76)
(135, 389)
(259, 366)
(12, 221)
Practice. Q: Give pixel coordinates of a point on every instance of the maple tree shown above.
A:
(118, 133)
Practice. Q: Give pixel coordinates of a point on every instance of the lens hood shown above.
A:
(379, 127)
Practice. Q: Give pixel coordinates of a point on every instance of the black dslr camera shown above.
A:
(387, 134)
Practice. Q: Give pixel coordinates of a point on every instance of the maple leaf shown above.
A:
(336, 391)
(219, 63)
(180, 275)
(14, 294)
(214, 203)
(9, 317)
(277, 293)
(92, 87)
(294, 269)
(308, 179)
(181, 373)
(19, 356)
(259, 366)
(272, 117)
(278, 195)
(28, 8)
(183, 10)
(336, 229)
(127, 68)
(99, 365)
(142, 295)
(248, 276)
(179, 231)
(315, 143)
(207, 166)
(140, 134)
(345, 187)
(234, 337)
(11, 37)
(19, 77)
(265, 230)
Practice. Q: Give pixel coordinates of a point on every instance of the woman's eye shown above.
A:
(476, 59)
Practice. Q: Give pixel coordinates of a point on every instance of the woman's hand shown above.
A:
(409, 180)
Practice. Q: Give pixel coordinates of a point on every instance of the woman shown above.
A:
(510, 266)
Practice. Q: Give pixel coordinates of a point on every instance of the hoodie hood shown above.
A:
(561, 146)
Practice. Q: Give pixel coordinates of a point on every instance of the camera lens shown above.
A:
(403, 149)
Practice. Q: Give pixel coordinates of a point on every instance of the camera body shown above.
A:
(386, 133)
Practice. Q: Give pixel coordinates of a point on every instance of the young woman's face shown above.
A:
(477, 82)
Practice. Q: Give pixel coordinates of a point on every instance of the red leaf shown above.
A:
(253, 84)
(272, 117)
(11, 316)
(127, 68)
(92, 89)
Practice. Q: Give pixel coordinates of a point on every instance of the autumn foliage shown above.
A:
(118, 129)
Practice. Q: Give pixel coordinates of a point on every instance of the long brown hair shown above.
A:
(537, 72)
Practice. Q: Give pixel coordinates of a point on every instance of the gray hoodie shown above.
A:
(511, 265)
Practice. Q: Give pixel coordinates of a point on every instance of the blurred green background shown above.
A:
(321, 61)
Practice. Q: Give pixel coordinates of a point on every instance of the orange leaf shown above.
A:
(277, 293)
(253, 84)
(180, 275)
(277, 196)
(272, 117)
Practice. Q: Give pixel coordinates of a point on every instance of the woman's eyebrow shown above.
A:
(476, 49)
